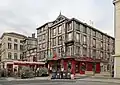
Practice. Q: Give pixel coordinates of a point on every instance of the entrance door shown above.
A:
(97, 67)
(82, 67)
(10, 69)
(77, 67)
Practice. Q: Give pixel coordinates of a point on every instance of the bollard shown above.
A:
(72, 76)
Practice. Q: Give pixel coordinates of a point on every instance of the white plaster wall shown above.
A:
(117, 28)
(117, 67)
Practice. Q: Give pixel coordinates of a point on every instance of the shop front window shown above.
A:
(83, 66)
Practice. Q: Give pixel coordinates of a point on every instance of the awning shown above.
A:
(28, 63)
(87, 59)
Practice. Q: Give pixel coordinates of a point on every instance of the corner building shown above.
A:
(74, 45)
(117, 38)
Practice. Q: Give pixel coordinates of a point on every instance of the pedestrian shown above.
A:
(112, 73)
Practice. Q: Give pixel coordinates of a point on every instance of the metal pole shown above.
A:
(94, 67)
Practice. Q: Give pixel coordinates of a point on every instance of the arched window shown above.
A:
(15, 56)
(9, 55)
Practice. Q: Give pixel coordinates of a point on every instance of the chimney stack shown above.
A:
(33, 35)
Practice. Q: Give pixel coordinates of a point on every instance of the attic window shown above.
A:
(60, 18)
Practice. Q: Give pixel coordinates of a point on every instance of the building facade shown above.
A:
(74, 45)
(30, 48)
(11, 49)
(0, 53)
(117, 38)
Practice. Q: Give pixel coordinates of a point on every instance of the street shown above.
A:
(54, 82)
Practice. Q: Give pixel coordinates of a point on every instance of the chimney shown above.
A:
(33, 35)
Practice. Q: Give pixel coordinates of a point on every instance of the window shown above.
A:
(84, 29)
(93, 33)
(42, 55)
(15, 47)
(9, 45)
(104, 46)
(84, 51)
(9, 39)
(21, 41)
(101, 36)
(40, 30)
(69, 26)
(84, 39)
(81, 27)
(9, 55)
(15, 40)
(45, 54)
(21, 47)
(77, 50)
(77, 26)
(43, 36)
(69, 36)
(40, 38)
(94, 42)
(101, 54)
(31, 51)
(101, 44)
(15, 56)
(77, 37)
(43, 28)
(54, 31)
(54, 41)
(60, 29)
(40, 46)
(69, 50)
(21, 56)
(94, 53)
(59, 40)
(88, 30)
(60, 51)
(44, 45)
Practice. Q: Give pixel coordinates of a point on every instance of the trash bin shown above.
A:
(64, 75)
(58, 75)
(53, 75)
(68, 75)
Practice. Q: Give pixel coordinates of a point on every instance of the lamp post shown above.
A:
(94, 66)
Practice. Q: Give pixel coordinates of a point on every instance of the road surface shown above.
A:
(54, 82)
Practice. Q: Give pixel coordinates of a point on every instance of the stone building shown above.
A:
(0, 49)
(11, 49)
(117, 38)
(72, 44)
(30, 48)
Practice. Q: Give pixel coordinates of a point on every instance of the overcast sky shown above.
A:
(24, 16)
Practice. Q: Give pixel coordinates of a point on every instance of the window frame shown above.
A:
(59, 40)
(9, 39)
(15, 56)
(9, 55)
(16, 47)
(9, 45)
(16, 40)
(60, 29)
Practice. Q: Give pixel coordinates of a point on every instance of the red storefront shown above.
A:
(10, 65)
(76, 65)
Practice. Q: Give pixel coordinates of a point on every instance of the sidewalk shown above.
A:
(35, 78)
(44, 79)
(78, 76)
(108, 80)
